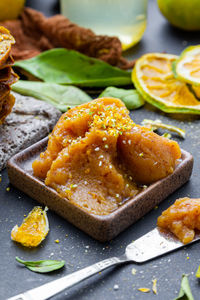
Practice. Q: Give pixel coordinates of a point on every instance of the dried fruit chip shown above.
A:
(6, 40)
(33, 229)
(6, 107)
(154, 79)
(7, 75)
(187, 66)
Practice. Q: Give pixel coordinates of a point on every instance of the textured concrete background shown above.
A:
(29, 121)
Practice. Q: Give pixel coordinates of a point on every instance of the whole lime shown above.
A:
(10, 9)
(184, 14)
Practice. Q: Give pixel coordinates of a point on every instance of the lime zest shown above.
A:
(144, 290)
(198, 272)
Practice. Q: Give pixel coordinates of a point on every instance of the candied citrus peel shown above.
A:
(33, 229)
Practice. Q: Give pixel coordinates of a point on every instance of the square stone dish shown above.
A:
(102, 228)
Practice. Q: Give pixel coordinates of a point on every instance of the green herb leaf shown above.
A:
(42, 266)
(64, 66)
(131, 98)
(158, 124)
(62, 97)
(198, 272)
(185, 291)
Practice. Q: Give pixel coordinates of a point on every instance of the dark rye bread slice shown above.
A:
(29, 122)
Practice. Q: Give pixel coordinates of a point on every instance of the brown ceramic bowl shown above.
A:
(102, 228)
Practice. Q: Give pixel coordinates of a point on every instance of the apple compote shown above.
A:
(97, 157)
(182, 218)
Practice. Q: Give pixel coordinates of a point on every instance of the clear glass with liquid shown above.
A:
(125, 19)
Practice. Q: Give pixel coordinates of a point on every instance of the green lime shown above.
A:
(184, 14)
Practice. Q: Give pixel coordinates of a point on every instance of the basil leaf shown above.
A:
(185, 291)
(42, 266)
(71, 67)
(62, 97)
(131, 98)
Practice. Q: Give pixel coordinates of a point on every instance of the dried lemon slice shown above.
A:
(187, 66)
(33, 229)
(154, 79)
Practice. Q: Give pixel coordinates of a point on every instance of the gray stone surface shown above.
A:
(29, 122)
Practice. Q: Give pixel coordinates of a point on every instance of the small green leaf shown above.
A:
(131, 98)
(62, 97)
(185, 291)
(42, 266)
(198, 272)
(70, 67)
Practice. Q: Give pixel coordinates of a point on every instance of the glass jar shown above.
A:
(125, 19)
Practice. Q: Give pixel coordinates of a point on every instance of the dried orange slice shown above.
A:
(33, 229)
(187, 66)
(6, 40)
(154, 79)
(6, 107)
